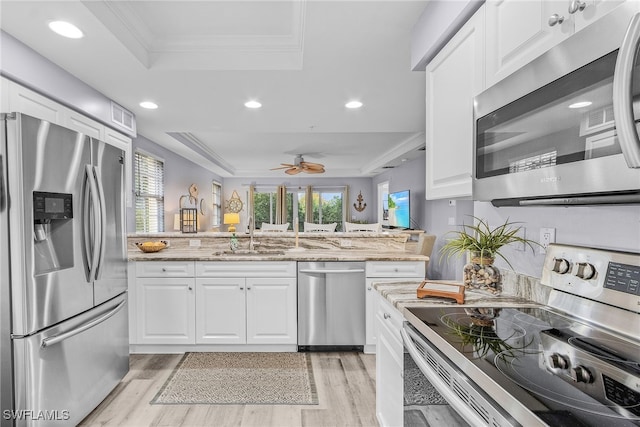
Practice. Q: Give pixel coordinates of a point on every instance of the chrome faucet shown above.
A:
(252, 226)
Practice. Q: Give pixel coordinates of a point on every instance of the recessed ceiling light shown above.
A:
(353, 104)
(580, 104)
(252, 104)
(149, 105)
(66, 29)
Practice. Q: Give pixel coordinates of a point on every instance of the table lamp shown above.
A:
(232, 219)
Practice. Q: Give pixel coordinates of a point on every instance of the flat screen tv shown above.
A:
(399, 209)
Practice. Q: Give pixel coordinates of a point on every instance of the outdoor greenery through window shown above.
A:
(149, 190)
(326, 206)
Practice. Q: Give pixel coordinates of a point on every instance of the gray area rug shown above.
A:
(240, 378)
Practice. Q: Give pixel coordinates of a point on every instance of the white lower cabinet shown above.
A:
(220, 311)
(389, 365)
(384, 272)
(213, 303)
(165, 310)
(246, 310)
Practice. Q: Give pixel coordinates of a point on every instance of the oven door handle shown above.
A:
(623, 96)
(454, 400)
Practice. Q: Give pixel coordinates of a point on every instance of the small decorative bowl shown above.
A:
(152, 246)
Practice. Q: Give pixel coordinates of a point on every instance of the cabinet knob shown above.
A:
(369, 288)
(190, 288)
(242, 288)
(576, 6)
(164, 269)
(248, 288)
(555, 19)
(386, 316)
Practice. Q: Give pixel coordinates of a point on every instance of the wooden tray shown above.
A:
(435, 288)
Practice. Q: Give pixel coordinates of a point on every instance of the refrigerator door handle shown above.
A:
(3, 195)
(102, 224)
(91, 237)
(48, 342)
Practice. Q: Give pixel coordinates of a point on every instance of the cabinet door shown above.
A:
(519, 31)
(123, 142)
(220, 311)
(389, 382)
(594, 10)
(165, 309)
(370, 313)
(26, 101)
(271, 311)
(82, 124)
(454, 77)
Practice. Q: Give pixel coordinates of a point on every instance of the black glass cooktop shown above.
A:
(562, 363)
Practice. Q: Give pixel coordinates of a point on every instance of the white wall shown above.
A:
(179, 174)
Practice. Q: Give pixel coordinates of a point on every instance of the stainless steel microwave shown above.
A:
(563, 130)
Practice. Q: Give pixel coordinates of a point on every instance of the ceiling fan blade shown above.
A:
(309, 165)
(314, 170)
(293, 171)
(284, 166)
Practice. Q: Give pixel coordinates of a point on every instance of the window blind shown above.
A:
(149, 189)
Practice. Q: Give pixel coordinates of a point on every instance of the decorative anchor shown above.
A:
(360, 207)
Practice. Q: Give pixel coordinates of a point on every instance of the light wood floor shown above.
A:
(345, 384)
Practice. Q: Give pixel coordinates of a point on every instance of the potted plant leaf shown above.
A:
(484, 245)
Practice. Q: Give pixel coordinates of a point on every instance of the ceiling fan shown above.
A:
(299, 165)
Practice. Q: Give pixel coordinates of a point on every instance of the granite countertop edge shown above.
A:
(287, 255)
(402, 294)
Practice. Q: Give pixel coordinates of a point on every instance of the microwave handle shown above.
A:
(623, 96)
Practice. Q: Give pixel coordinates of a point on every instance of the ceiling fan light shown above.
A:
(353, 104)
(66, 29)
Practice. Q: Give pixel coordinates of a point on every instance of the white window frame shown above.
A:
(149, 225)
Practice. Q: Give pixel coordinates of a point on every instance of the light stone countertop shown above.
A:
(208, 254)
(402, 294)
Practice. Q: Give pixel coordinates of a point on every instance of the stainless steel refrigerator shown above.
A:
(63, 295)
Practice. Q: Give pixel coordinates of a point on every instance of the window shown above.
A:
(149, 188)
(216, 213)
(326, 205)
(265, 202)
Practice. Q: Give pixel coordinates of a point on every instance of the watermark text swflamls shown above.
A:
(30, 414)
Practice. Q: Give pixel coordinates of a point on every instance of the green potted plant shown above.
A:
(484, 245)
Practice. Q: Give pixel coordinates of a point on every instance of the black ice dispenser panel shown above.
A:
(52, 231)
(48, 206)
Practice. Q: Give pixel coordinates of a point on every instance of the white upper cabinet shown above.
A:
(519, 31)
(454, 77)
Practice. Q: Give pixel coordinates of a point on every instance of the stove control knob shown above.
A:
(558, 361)
(581, 374)
(586, 271)
(561, 265)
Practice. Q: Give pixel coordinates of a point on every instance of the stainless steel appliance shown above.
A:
(64, 275)
(563, 129)
(574, 361)
(331, 306)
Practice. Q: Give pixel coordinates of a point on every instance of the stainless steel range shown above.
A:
(574, 361)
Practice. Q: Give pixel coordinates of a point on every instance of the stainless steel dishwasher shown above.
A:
(331, 306)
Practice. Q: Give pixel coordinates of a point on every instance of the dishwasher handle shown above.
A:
(332, 271)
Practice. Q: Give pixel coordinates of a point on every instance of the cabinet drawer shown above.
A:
(390, 316)
(246, 269)
(394, 269)
(165, 269)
